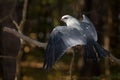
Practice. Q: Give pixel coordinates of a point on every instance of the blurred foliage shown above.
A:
(44, 15)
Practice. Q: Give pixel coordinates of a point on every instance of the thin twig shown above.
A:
(24, 12)
(71, 65)
(20, 28)
(16, 24)
(8, 57)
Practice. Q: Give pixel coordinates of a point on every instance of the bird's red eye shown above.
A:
(65, 17)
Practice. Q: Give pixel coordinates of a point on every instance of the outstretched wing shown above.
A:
(88, 27)
(61, 38)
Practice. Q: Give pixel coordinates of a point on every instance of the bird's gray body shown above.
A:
(75, 33)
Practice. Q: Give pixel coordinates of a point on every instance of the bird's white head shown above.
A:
(69, 20)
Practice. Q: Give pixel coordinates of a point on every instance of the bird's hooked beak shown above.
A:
(62, 19)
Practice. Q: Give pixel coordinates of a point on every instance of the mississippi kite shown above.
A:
(74, 33)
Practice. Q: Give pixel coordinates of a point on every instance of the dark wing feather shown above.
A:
(87, 25)
(61, 38)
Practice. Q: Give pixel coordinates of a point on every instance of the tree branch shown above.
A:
(43, 45)
(20, 35)
(114, 59)
(7, 57)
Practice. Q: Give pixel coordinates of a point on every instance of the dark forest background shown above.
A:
(42, 16)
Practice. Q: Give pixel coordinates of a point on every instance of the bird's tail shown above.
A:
(93, 51)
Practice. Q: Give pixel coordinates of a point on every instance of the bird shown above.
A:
(75, 32)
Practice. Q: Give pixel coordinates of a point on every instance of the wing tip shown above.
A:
(45, 67)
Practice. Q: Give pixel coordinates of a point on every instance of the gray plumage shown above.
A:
(75, 33)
